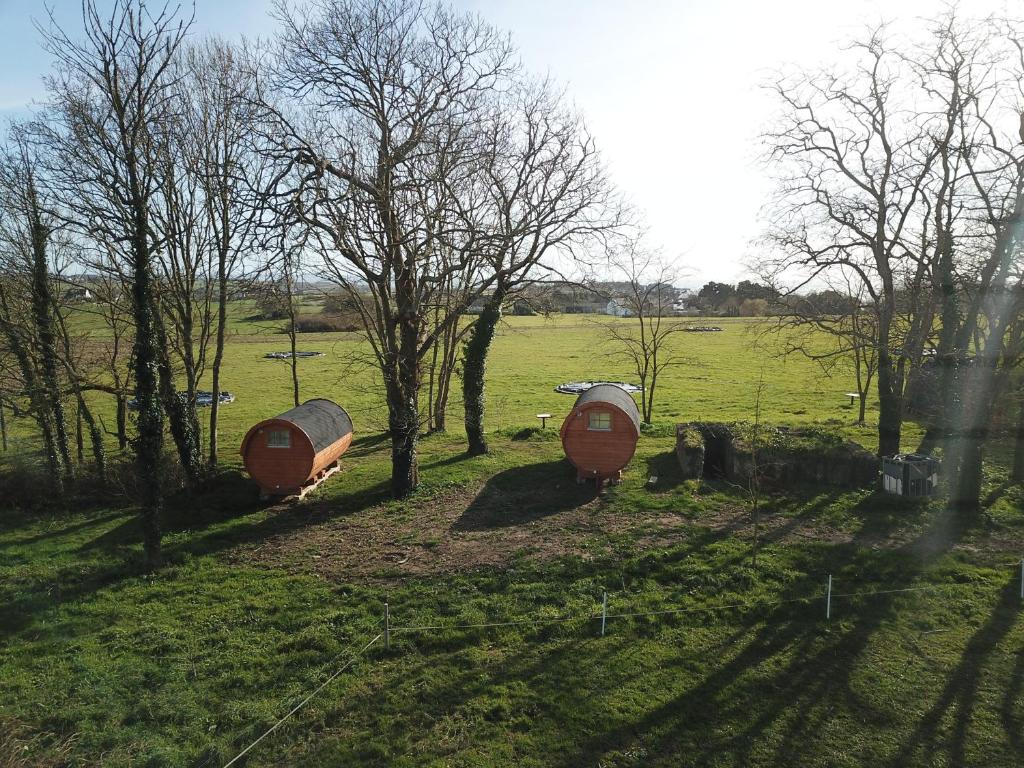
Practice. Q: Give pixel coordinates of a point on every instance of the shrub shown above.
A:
(270, 306)
(327, 323)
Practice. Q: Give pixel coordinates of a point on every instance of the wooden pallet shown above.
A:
(316, 481)
(298, 495)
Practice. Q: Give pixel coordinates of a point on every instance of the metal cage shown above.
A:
(912, 475)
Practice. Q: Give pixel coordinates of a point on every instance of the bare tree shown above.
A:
(443, 359)
(109, 96)
(183, 272)
(949, 67)
(836, 328)
(27, 235)
(646, 296)
(112, 306)
(218, 90)
(998, 300)
(545, 194)
(387, 147)
(853, 166)
(909, 173)
(279, 291)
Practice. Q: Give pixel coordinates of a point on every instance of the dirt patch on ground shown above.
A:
(447, 534)
(472, 527)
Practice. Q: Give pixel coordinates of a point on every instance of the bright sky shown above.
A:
(668, 87)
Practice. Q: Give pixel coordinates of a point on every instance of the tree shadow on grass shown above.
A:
(779, 692)
(225, 496)
(769, 687)
(524, 494)
(232, 514)
(53, 508)
(57, 531)
(282, 520)
(447, 461)
(707, 700)
(960, 694)
(67, 586)
(996, 493)
(367, 445)
(1012, 708)
(218, 522)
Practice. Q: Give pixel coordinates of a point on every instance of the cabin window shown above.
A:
(599, 421)
(279, 438)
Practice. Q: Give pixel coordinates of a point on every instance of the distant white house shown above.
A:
(616, 309)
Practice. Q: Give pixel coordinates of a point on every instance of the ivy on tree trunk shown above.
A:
(474, 362)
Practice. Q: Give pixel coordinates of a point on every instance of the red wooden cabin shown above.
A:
(293, 452)
(599, 435)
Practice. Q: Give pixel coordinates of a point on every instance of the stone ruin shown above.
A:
(785, 455)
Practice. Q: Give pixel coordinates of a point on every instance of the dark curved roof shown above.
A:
(611, 393)
(324, 421)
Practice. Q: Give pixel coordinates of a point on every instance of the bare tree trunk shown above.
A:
(431, 385)
(149, 451)
(890, 406)
(122, 421)
(79, 441)
(474, 361)
(403, 422)
(981, 389)
(218, 358)
(180, 409)
(295, 364)
(99, 455)
(1018, 443)
(3, 429)
(403, 387)
(444, 377)
(945, 353)
(184, 425)
(965, 490)
(42, 303)
(649, 397)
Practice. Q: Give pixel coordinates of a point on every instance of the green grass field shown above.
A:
(101, 664)
(716, 380)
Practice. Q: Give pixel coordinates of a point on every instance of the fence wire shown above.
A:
(566, 618)
(305, 701)
(825, 597)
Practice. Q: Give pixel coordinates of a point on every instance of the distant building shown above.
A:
(78, 294)
(477, 306)
(616, 309)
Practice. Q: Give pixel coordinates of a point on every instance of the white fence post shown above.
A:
(828, 599)
(387, 628)
(604, 611)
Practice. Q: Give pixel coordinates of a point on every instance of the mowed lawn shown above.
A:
(101, 664)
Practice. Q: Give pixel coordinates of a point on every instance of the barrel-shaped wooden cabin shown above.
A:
(294, 451)
(600, 433)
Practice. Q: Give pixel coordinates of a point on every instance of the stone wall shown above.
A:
(785, 456)
(690, 451)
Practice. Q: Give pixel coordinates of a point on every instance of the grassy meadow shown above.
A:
(716, 377)
(102, 664)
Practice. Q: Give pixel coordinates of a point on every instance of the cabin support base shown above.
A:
(326, 472)
(300, 493)
(599, 480)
